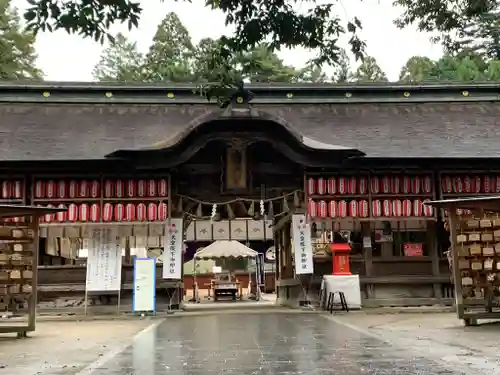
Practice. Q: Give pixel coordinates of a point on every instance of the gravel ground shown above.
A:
(65, 347)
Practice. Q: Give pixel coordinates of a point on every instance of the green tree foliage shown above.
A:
(418, 69)
(121, 61)
(17, 51)
(369, 71)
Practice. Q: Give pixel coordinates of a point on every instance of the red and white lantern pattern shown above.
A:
(447, 185)
(321, 186)
(39, 189)
(108, 189)
(427, 185)
(72, 212)
(342, 209)
(395, 185)
(311, 186)
(476, 184)
(51, 189)
(141, 212)
(458, 185)
(363, 185)
(6, 189)
(397, 208)
(322, 208)
(386, 208)
(376, 208)
(332, 209)
(18, 190)
(107, 212)
(162, 211)
(417, 207)
(152, 212)
(73, 189)
(353, 208)
(62, 189)
(342, 186)
(151, 188)
(141, 188)
(49, 217)
(131, 188)
(95, 191)
(162, 188)
(84, 212)
(363, 209)
(61, 216)
(375, 185)
(130, 212)
(407, 207)
(497, 185)
(119, 212)
(352, 185)
(312, 208)
(84, 189)
(428, 210)
(467, 184)
(119, 189)
(386, 185)
(95, 212)
(406, 185)
(332, 186)
(487, 184)
(416, 185)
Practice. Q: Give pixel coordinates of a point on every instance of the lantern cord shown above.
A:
(239, 199)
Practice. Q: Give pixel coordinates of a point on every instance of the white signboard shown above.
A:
(144, 284)
(302, 248)
(172, 251)
(104, 262)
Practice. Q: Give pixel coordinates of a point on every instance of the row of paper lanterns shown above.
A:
(92, 189)
(380, 208)
(11, 189)
(109, 212)
(470, 184)
(359, 185)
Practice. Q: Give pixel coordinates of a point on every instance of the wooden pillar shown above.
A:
(367, 257)
(287, 247)
(434, 254)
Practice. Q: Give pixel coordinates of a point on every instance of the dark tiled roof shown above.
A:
(91, 131)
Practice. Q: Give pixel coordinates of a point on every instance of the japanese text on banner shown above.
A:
(303, 254)
(172, 251)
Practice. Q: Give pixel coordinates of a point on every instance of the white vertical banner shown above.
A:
(144, 297)
(172, 251)
(302, 247)
(104, 262)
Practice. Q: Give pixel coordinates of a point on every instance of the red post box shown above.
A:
(341, 264)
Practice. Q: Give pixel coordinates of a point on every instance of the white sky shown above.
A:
(65, 57)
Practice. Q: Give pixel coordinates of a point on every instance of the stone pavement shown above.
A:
(269, 342)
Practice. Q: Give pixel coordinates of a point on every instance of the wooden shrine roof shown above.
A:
(82, 121)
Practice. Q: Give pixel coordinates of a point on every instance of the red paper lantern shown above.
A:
(131, 189)
(363, 185)
(342, 187)
(459, 212)
(72, 212)
(49, 217)
(6, 189)
(141, 188)
(376, 208)
(428, 210)
(310, 186)
(152, 212)
(363, 209)
(141, 212)
(51, 189)
(458, 185)
(311, 208)
(130, 212)
(447, 185)
(321, 185)
(61, 216)
(487, 188)
(61, 189)
(107, 212)
(162, 211)
(352, 185)
(467, 184)
(41, 219)
(476, 184)
(353, 208)
(406, 184)
(84, 189)
(84, 212)
(94, 212)
(73, 190)
(427, 185)
(39, 189)
(95, 191)
(332, 186)
(407, 207)
(342, 209)
(387, 208)
(397, 207)
(396, 185)
(386, 185)
(497, 184)
(322, 209)
(416, 186)
(162, 188)
(18, 190)
(332, 209)
(375, 185)
(151, 188)
(108, 189)
(417, 207)
(119, 212)
(119, 189)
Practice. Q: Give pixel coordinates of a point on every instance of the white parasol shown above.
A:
(226, 249)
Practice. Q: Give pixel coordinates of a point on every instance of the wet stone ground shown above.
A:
(258, 344)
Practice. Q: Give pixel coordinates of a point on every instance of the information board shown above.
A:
(144, 298)
(104, 262)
